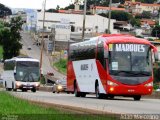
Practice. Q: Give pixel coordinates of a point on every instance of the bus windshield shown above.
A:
(130, 60)
(27, 71)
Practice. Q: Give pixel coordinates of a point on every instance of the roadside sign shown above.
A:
(50, 46)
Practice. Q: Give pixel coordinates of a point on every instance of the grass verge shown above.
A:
(16, 109)
(61, 65)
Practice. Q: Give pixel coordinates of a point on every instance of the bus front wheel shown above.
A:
(14, 89)
(33, 89)
(137, 97)
(76, 93)
(98, 95)
(6, 86)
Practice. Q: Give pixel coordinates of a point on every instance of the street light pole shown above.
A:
(84, 19)
(109, 19)
(42, 42)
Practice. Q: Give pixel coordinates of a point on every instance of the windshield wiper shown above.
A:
(131, 73)
(143, 73)
(122, 72)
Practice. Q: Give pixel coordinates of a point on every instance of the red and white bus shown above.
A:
(111, 65)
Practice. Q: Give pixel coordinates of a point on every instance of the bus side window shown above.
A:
(100, 55)
(9, 65)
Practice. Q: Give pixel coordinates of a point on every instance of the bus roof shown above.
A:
(22, 59)
(116, 38)
(124, 38)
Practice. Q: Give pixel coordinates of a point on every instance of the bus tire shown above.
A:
(82, 94)
(98, 95)
(33, 89)
(6, 86)
(13, 88)
(137, 97)
(111, 96)
(76, 93)
(9, 89)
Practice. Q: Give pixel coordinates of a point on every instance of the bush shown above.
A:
(61, 65)
(139, 36)
(155, 86)
(42, 81)
(150, 39)
(156, 72)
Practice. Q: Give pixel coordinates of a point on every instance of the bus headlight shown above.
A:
(37, 84)
(112, 83)
(149, 84)
(111, 89)
(18, 84)
(59, 87)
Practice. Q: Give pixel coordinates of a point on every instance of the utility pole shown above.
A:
(42, 42)
(84, 19)
(54, 39)
(109, 19)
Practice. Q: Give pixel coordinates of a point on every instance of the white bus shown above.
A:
(21, 73)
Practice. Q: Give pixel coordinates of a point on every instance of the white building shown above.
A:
(93, 24)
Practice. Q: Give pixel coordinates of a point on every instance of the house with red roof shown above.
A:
(138, 7)
(101, 9)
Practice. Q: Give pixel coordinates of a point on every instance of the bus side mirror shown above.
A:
(14, 71)
(106, 53)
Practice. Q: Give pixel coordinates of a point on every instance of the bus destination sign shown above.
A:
(127, 47)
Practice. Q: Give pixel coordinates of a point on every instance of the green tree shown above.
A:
(58, 7)
(135, 22)
(103, 14)
(138, 16)
(52, 10)
(146, 14)
(4, 11)
(11, 38)
(120, 15)
(1, 29)
(71, 6)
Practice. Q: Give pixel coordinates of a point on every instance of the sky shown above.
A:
(35, 4)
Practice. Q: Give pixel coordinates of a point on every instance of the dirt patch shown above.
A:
(154, 95)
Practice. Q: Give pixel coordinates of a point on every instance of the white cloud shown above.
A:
(35, 4)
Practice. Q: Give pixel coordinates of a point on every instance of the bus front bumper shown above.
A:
(130, 90)
(28, 86)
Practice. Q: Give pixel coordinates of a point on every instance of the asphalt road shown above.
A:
(119, 105)
(27, 41)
